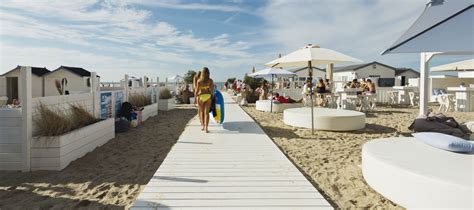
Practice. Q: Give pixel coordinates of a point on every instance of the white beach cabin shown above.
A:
(10, 83)
(78, 80)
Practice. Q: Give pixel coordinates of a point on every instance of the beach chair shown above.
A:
(414, 98)
(393, 97)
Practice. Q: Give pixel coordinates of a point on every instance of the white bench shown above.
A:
(264, 105)
(415, 175)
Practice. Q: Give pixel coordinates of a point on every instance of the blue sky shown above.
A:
(168, 37)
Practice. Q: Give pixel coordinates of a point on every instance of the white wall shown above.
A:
(379, 70)
(367, 72)
(3, 86)
(75, 83)
(10, 139)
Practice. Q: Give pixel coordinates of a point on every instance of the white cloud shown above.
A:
(113, 28)
(358, 28)
(175, 4)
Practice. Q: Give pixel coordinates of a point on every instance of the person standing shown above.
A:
(195, 81)
(205, 90)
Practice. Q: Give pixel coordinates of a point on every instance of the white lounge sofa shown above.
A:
(325, 119)
(264, 105)
(415, 175)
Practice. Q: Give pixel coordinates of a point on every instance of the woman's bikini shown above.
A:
(206, 96)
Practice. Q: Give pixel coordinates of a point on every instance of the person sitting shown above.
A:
(328, 85)
(355, 84)
(263, 90)
(321, 87)
(283, 100)
(186, 94)
(369, 87)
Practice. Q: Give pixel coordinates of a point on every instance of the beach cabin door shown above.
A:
(12, 89)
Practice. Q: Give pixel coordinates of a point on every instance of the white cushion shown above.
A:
(445, 142)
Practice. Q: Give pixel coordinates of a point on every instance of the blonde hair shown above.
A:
(204, 75)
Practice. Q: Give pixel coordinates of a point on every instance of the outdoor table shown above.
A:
(464, 98)
(348, 97)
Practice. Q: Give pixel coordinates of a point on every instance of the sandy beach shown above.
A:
(110, 177)
(331, 160)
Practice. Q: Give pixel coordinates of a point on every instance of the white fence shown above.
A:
(10, 139)
(17, 126)
(295, 93)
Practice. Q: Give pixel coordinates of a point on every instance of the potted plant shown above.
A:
(165, 101)
(144, 103)
(62, 137)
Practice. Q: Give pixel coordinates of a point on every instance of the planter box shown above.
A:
(55, 153)
(149, 111)
(166, 104)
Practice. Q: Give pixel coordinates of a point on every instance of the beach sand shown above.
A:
(332, 160)
(110, 177)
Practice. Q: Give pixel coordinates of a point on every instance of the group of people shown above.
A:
(322, 86)
(203, 87)
(366, 84)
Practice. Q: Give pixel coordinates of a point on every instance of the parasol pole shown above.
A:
(271, 100)
(310, 74)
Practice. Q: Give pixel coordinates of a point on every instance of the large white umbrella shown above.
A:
(310, 56)
(175, 77)
(466, 65)
(271, 72)
(444, 28)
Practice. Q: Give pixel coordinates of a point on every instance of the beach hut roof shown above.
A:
(444, 26)
(399, 71)
(38, 71)
(360, 66)
(75, 70)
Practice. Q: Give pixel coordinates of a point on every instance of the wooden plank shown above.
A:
(206, 189)
(160, 183)
(231, 208)
(235, 202)
(10, 157)
(227, 178)
(229, 195)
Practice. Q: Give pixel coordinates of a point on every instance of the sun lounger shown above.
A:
(415, 175)
(264, 105)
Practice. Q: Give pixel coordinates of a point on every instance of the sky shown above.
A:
(162, 38)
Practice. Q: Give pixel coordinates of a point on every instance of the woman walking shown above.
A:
(195, 81)
(204, 90)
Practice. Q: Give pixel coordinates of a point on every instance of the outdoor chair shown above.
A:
(446, 102)
(414, 98)
(393, 97)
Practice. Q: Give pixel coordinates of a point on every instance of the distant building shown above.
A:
(78, 80)
(405, 74)
(381, 74)
(12, 83)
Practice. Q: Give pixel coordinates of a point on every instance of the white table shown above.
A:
(464, 98)
(403, 96)
(348, 97)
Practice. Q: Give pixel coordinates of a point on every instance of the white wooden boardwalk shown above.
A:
(235, 166)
